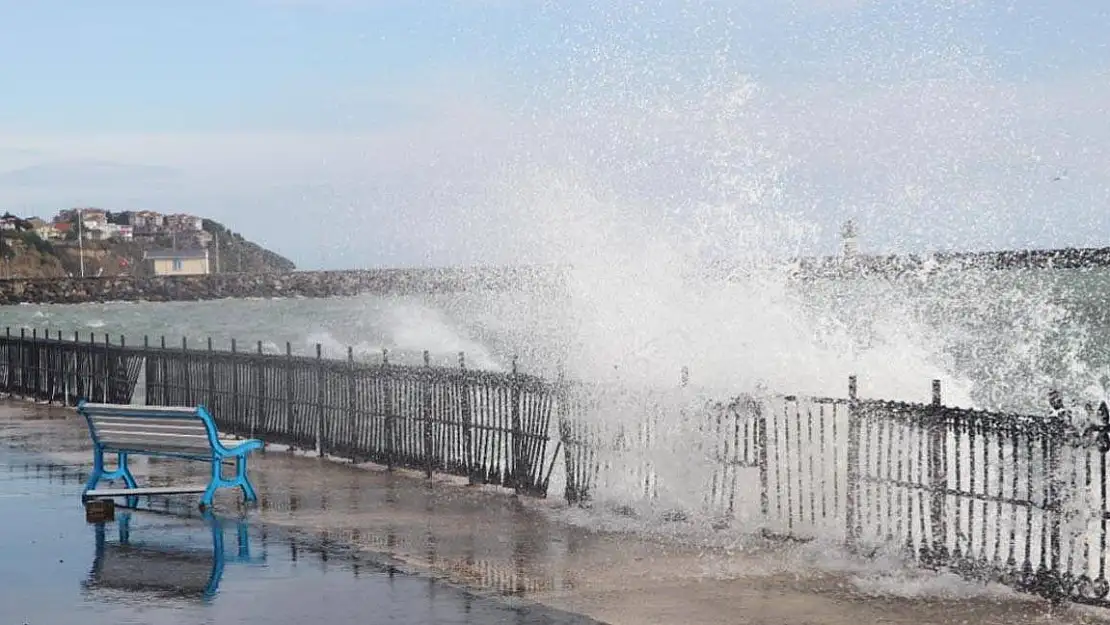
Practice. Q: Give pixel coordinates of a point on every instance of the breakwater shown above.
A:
(267, 285)
(399, 281)
(895, 265)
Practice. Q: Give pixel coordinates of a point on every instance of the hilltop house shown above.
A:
(184, 223)
(177, 262)
(48, 232)
(145, 221)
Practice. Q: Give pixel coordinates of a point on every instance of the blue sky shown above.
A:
(372, 132)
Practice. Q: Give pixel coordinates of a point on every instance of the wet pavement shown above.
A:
(354, 544)
(152, 567)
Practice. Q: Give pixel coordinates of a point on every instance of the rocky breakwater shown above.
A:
(268, 285)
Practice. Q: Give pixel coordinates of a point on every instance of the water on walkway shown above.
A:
(324, 534)
(152, 567)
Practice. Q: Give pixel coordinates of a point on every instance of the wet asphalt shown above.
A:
(161, 565)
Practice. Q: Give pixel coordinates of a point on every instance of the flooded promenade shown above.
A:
(340, 543)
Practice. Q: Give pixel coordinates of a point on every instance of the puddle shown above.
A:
(154, 566)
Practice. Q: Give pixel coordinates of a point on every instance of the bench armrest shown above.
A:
(240, 448)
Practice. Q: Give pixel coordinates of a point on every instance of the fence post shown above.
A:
(63, 367)
(472, 472)
(260, 390)
(58, 364)
(78, 380)
(518, 431)
(23, 363)
(236, 411)
(349, 409)
(572, 487)
(35, 370)
(851, 491)
(60, 368)
(9, 375)
(761, 418)
(53, 365)
(93, 379)
(937, 552)
(390, 418)
(319, 402)
(1054, 561)
(185, 367)
(47, 368)
(122, 362)
(147, 377)
(290, 413)
(426, 397)
(210, 382)
(107, 368)
(164, 371)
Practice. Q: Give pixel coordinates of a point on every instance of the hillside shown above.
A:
(237, 254)
(26, 254)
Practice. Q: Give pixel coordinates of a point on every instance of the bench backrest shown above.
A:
(150, 428)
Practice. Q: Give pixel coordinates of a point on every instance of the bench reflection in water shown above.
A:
(157, 561)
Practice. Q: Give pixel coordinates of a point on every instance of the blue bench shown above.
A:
(188, 433)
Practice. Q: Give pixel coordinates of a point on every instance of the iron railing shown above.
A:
(489, 427)
(1016, 498)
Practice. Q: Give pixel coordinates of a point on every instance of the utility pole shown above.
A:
(81, 238)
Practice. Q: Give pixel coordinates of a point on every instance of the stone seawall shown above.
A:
(456, 279)
(240, 285)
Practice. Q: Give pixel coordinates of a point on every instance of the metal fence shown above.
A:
(489, 427)
(1018, 499)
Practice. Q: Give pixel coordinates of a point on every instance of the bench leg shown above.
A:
(214, 482)
(121, 472)
(97, 471)
(218, 481)
(244, 482)
(124, 472)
